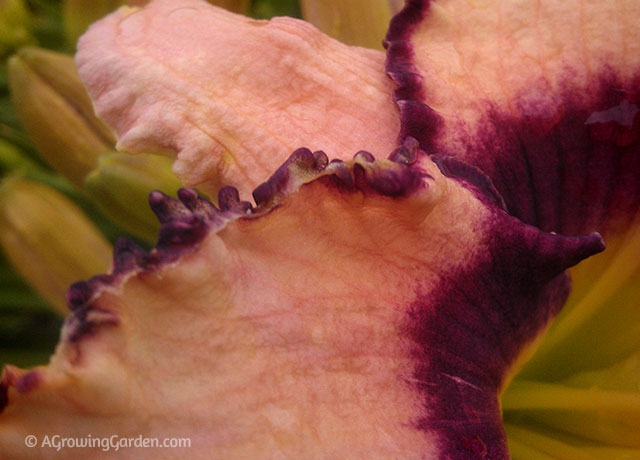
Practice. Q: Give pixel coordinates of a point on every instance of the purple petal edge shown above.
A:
(187, 219)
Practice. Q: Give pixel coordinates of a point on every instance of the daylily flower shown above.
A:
(362, 308)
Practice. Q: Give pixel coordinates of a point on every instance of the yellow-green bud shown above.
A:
(77, 15)
(354, 22)
(48, 239)
(12, 158)
(57, 113)
(121, 184)
(237, 6)
(15, 26)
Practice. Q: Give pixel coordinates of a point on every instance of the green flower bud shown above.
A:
(356, 22)
(54, 108)
(12, 158)
(15, 26)
(77, 15)
(121, 184)
(237, 6)
(48, 239)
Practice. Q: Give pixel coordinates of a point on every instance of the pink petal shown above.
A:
(230, 95)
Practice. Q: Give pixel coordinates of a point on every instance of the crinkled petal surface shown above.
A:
(367, 309)
(232, 96)
(360, 309)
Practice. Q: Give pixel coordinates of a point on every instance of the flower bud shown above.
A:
(15, 25)
(266, 9)
(55, 110)
(356, 22)
(48, 239)
(77, 15)
(12, 158)
(237, 6)
(121, 184)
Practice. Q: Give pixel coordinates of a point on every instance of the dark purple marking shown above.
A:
(86, 321)
(417, 119)
(388, 182)
(181, 233)
(470, 330)
(263, 193)
(127, 256)
(407, 153)
(367, 175)
(312, 162)
(472, 176)
(364, 156)
(342, 174)
(197, 204)
(302, 158)
(79, 294)
(422, 123)
(229, 200)
(573, 173)
(560, 177)
(4, 392)
(185, 222)
(483, 316)
(167, 208)
(28, 382)
(400, 51)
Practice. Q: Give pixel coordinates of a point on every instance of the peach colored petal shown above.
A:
(230, 95)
